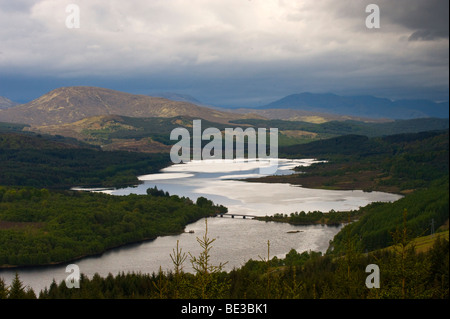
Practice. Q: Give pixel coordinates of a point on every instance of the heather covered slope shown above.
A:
(71, 104)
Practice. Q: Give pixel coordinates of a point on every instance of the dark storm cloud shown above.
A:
(226, 51)
(427, 19)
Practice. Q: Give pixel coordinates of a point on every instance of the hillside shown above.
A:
(6, 103)
(48, 227)
(415, 165)
(336, 127)
(301, 115)
(52, 162)
(379, 222)
(363, 106)
(71, 104)
(398, 163)
(177, 97)
(15, 141)
(114, 132)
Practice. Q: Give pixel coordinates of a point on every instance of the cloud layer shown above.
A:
(266, 46)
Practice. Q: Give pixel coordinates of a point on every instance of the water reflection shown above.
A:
(237, 240)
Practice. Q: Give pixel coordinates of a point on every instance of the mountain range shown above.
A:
(115, 120)
(362, 106)
(71, 104)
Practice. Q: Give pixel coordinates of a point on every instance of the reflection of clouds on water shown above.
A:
(228, 166)
(240, 176)
(162, 176)
(219, 181)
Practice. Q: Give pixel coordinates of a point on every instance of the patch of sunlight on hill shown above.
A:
(310, 119)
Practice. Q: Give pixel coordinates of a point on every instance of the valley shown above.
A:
(78, 137)
(95, 116)
(236, 156)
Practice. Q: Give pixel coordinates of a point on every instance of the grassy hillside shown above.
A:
(380, 220)
(370, 129)
(151, 134)
(71, 104)
(8, 127)
(425, 243)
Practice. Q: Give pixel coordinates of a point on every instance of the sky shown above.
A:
(226, 52)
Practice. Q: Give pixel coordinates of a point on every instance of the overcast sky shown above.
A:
(226, 52)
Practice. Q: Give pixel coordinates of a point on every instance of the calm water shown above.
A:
(237, 240)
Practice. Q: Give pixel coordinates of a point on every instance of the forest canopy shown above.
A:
(40, 226)
(33, 160)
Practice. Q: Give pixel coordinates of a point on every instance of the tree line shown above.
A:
(33, 160)
(45, 226)
(404, 274)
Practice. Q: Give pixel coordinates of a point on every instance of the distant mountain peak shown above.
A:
(71, 104)
(180, 97)
(6, 103)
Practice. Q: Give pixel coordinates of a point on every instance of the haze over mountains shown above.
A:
(71, 104)
(328, 106)
(117, 120)
(6, 103)
(363, 106)
(177, 97)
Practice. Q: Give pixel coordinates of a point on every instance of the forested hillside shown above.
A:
(395, 163)
(34, 160)
(39, 227)
(415, 165)
(379, 220)
(370, 129)
(404, 274)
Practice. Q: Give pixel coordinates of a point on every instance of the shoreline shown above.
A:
(58, 263)
(319, 183)
(285, 179)
(149, 239)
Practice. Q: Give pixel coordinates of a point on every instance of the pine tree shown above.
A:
(292, 287)
(207, 284)
(438, 275)
(3, 289)
(30, 294)
(16, 290)
(178, 259)
(161, 284)
(405, 271)
(267, 264)
(348, 279)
